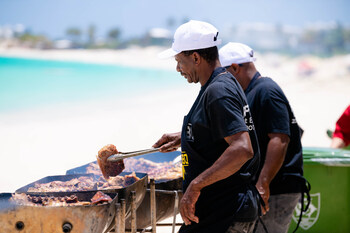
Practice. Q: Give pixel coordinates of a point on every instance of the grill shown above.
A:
(167, 194)
(139, 187)
(94, 218)
(135, 207)
(91, 218)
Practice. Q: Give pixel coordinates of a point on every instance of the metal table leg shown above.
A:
(153, 206)
(133, 212)
(117, 218)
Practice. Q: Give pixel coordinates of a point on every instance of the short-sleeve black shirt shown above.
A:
(272, 114)
(220, 110)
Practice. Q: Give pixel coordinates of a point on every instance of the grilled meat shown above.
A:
(85, 184)
(109, 168)
(100, 197)
(72, 200)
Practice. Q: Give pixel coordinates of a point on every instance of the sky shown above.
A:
(135, 17)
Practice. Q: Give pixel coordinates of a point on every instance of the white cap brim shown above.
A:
(171, 52)
(167, 53)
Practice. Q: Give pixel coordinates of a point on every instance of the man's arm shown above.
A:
(337, 142)
(275, 154)
(342, 128)
(234, 157)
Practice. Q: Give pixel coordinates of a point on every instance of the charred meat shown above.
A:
(100, 197)
(31, 200)
(109, 168)
(85, 183)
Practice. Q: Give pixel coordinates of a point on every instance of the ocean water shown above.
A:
(28, 83)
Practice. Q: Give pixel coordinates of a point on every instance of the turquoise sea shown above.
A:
(28, 83)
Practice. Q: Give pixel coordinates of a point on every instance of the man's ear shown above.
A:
(196, 58)
(235, 67)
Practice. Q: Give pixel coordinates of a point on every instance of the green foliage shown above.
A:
(32, 38)
(114, 34)
(35, 41)
(328, 42)
(74, 32)
(322, 42)
(91, 34)
(113, 37)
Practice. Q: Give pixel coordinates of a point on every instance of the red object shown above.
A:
(342, 127)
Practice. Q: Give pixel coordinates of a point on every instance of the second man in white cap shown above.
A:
(281, 180)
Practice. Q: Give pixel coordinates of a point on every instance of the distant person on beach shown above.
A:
(220, 154)
(280, 179)
(341, 134)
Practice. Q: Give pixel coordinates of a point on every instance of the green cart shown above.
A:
(328, 171)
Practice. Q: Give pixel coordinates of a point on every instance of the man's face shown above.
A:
(186, 67)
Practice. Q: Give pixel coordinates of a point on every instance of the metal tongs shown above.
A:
(123, 155)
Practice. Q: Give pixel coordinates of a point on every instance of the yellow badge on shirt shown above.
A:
(184, 163)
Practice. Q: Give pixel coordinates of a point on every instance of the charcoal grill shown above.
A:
(139, 187)
(92, 218)
(167, 194)
(33, 219)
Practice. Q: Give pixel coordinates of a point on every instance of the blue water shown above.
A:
(27, 83)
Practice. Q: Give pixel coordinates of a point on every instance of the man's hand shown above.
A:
(169, 142)
(187, 205)
(264, 192)
(275, 154)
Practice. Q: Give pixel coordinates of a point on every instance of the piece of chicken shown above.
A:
(109, 168)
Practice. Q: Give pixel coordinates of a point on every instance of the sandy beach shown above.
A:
(48, 141)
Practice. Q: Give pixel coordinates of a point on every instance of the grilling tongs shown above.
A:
(123, 155)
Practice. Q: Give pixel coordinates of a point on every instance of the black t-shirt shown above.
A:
(272, 114)
(220, 110)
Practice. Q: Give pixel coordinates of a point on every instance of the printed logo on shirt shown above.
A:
(248, 118)
(246, 110)
(189, 132)
(185, 163)
(293, 120)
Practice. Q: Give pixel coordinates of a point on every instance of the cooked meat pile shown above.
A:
(30, 200)
(85, 183)
(109, 168)
(157, 171)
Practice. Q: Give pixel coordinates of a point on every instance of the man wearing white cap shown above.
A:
(281, 178)
(220, 154)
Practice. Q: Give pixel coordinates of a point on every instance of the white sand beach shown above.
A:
(48, 141)
(40, 142)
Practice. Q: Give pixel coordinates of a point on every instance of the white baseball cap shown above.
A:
(237, 53)
(192, 35)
